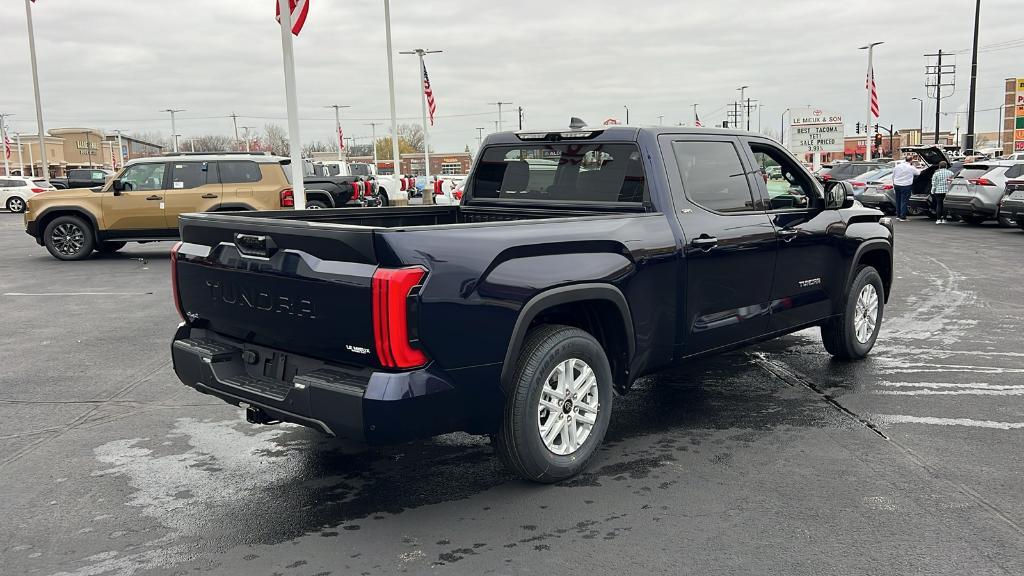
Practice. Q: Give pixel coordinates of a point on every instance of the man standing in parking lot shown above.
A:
(903, 182)
(940, 185)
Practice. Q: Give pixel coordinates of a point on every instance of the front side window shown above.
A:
(242, 171)
(186, 175)
(562, 172)
(793, 189)
(713, 176)
(144, 177)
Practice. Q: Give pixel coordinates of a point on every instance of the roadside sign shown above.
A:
(1018, 132)
(816, 130)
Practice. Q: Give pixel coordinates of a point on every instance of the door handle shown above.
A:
(704, 242)
(154, 197)
(209, 195)
(787, 234)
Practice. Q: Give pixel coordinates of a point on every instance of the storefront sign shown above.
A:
(816, 130)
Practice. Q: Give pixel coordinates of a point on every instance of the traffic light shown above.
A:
(878, 140)
(858, 127)
(876, 128)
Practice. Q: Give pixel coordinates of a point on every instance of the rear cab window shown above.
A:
(561, 172)
(187, 175)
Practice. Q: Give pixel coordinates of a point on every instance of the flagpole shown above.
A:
(294, 141)
(7, 146)
(21, 161)
(428, 190)
(868, 82)
(35, 86)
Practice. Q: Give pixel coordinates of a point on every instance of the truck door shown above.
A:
(809, 268)
(729, 242)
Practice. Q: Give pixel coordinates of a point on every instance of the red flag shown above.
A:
(870, 85)
(431, 106)
(299, 10)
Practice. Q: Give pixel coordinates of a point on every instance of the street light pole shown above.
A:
(373, 141)
(969, 144)
(337, 126)
(174, 128)
(742, 90)
(248, 140)
(867, 138)
(920, 120)
(782, 127)
(396, 160)
(44, 164)
(627, 113)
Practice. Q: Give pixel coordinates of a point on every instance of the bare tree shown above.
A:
(318, 146)
(276, 140)
(153, 138)
(410, 140)
(211, 143)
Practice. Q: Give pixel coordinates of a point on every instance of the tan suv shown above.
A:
(143, 201)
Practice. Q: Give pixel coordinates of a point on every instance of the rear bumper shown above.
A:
(963, 206)
(923, 201)
(877, 201)
(360, 404)
(1013, 209)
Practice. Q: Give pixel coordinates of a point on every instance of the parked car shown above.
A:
(860, 181)
(15, 191)
(845, 170)
(144, 201)
(880, 194)
(976, 191)
(1012, 204)
(920, 201)
(82, 178)
(522, 312)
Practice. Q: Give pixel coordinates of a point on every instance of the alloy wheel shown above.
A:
(16, 204)
(569, 402)
(68, 238)
(866, 313)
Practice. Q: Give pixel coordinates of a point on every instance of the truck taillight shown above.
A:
(391, 291)
(174, 279)
(287, 198)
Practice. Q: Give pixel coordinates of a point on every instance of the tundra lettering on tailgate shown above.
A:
(255, 299)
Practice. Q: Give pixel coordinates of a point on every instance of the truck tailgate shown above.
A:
(290, 285)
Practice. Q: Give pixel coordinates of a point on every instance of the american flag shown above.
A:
(870, 85)
(7, 147)
(429, 92)
(341, 138)
(696, 120)
(299, 10)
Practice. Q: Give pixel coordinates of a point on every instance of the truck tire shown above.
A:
(315, 205)
(69, 238)
(531, 442)
(109, 247)
(383, 198)
(853, 334)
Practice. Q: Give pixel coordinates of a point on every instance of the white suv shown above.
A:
(16, 190)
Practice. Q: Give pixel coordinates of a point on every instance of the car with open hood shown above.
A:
(921, 196)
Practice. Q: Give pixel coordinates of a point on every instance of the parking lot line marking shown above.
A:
(977, 385)
(905, 419)
(962, 391)
(78, 293)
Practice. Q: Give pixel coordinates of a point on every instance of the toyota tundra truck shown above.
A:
(578, 261)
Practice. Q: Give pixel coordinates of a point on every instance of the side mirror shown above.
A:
(838, 194)
(118, 187)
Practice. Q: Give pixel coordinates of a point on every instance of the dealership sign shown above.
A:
(815, 130)
(1018, 125)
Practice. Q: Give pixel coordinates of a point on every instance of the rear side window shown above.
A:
(239, 171)
(16, 183)
(563, 172)
(1015, 171)
(973, 171)
(713, 176)
(186, 175)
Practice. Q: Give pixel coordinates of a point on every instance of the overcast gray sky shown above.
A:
(115, 64)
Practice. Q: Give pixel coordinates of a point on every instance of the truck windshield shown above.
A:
(563, 172)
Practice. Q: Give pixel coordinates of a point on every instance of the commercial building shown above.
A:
(1013, 116)
(441, 163)
(68, 148)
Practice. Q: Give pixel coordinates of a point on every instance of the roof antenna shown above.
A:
(576, 123)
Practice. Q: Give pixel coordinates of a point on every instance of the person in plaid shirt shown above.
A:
(940, 185)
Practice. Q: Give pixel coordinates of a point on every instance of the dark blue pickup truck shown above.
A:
(579, 260)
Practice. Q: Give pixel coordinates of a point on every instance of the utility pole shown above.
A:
(373, 140)
(3, 142)
(747, 108)
(939, 70)
(742, 90)
(520, 117)
(499, 104)
(479, 138)
(627, 113)
(248, 140)
(969, 144)
(337, 127)
(733, 116)
(870, 80)
(234, 121)
(428, 194)
(174, 128)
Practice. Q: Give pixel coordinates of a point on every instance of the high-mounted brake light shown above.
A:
(533, 136)
(174, 279)
(391, 290)
(287, 198)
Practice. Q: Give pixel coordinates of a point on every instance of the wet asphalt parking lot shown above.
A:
(768, 460)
